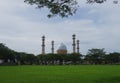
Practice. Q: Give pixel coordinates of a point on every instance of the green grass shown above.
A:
(60, 74)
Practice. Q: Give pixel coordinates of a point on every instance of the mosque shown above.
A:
(62, 49)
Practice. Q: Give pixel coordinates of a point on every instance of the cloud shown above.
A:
(96, 26)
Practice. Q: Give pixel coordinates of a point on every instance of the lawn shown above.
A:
(60, 74)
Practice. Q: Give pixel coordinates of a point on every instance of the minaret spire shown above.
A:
(43, 44)
(78, 48)
(52, 47)
(74, 45)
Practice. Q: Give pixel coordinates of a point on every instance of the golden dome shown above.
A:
(62, 49)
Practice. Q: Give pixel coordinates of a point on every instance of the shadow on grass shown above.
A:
(109, 80)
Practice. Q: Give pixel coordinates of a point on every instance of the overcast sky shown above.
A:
(96, 26)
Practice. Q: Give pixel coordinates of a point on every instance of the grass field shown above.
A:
(60, 74)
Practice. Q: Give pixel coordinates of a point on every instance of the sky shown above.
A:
(95, 25)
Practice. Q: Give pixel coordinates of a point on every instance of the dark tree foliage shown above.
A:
(95, 56)
(6, 53)
(74, 57)
(63, 8)
(12, 57)
(96, 1)
(112, 58)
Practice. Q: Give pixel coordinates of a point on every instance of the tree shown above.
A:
(95, 1)
(75, 58)
(95, 56)
(42, 59)
(63, 8)
(6, 53)
(30, 58)
(112, 58)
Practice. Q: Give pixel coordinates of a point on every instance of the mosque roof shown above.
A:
(62, 47)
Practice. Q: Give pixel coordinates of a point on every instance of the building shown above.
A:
(62, 49)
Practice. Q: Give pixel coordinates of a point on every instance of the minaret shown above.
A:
(43, 44)
(52, 47)
(74, 45)
(78, 42)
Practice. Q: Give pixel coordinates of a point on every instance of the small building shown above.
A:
(62, 49)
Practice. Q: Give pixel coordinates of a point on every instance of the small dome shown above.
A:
(62, 47)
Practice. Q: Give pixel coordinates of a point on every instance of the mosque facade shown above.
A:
(62, 49)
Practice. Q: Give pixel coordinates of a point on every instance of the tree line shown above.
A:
(93, 56)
